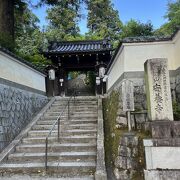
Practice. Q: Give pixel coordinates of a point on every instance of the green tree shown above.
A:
(29, 39)
(25, 21)
(135, 28)
(103, 20)
(63, 20)
(173, 17)
(8, 9)
(7, 18)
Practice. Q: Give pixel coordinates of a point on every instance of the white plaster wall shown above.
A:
(136, 54)
(116, 69)
(132, 56)
(177, 51)
(15, 71)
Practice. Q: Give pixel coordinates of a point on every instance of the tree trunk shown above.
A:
(7, 18)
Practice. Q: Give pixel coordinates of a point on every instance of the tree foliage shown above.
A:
(103, 20)
(173, 17)
(63, 20)
(135, 28)
(29, 39)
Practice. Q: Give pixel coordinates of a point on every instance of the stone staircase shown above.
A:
(74, 155)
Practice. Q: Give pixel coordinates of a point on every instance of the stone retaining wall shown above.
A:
(17, 107)
(129, 163)
(139, 91)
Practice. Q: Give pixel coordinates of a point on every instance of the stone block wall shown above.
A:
(140, 94)
(17, 107)
(129, 162)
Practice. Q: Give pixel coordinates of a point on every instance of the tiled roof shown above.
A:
(4, 50)
(140, 39)
(145, 39)
(79, 46)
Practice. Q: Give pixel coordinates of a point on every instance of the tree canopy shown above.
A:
(136, 28)
(173, 17)
(63, 20)
(103, 20)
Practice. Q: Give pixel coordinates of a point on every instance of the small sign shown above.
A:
(128, 95)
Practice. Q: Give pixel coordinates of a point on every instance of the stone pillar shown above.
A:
(158, 91)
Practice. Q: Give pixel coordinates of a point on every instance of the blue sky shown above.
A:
(142, 10)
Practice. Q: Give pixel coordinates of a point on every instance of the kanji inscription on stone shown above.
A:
(158, 90)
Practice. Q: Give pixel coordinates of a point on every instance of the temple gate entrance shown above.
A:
(84, 57)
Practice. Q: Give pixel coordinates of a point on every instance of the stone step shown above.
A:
(84, 115)
(56, 147)
(68, 139)
(67, 169)
(40, 133)
(75, 102)
(42, 176)
(68, 126)
(74, 106)
(75, 109)
(83, 121)
(60, 109)
(57, 156)
(72, 111)
(80, 126)
(72, 132)
(53, 118)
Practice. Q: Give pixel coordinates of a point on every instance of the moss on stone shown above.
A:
(113, 135)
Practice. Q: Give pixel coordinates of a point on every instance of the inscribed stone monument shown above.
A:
(158, 90)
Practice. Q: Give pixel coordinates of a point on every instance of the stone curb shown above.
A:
(11, 147)
(101, 173)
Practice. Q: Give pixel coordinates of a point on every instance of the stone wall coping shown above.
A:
(166, 142)
(101, 173)
(162, 174)
(11, 147)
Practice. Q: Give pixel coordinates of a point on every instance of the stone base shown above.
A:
(163, 129)
(162, 157)
(163, 174)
